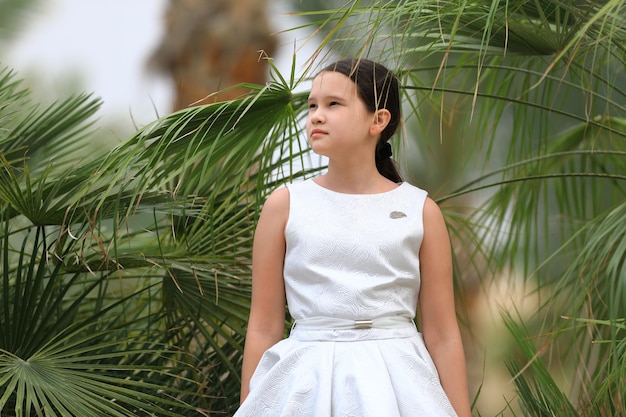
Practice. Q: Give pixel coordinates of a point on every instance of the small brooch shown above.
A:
(397, 215)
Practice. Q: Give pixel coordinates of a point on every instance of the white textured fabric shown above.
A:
(323, 323)
(354, 257)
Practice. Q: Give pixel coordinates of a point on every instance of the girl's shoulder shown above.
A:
(431, 208)
(433, 217)
(277, 202)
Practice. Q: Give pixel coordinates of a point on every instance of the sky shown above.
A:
(106, 43)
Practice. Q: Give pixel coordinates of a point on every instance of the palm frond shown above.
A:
(539, 394)
(126, 274)
(61, 354)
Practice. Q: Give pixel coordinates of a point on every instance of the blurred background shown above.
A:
(119, 51)
(149, 58)
(103, 47)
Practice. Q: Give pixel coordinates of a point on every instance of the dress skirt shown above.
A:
(374, 372)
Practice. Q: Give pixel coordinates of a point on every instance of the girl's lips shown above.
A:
(317, 132)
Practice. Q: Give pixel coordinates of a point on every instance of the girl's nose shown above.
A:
(316, 116)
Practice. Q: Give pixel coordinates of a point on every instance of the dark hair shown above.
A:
(378, 88)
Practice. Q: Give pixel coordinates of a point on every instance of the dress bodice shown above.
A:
(353, 256)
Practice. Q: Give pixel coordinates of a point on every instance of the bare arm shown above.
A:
(437, 310)
(267, 310)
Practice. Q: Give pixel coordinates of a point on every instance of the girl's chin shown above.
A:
(318, 150)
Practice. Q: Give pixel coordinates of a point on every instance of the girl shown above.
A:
(353, 253)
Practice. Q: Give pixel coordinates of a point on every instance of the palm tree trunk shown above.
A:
(211, 45)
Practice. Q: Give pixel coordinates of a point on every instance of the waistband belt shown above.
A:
(325, 323)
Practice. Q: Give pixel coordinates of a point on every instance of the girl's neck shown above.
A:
(364, 179)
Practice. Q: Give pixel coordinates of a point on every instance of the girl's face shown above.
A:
(338, 123)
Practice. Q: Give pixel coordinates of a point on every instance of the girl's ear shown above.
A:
(382, 118)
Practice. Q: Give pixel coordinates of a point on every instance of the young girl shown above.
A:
(353, 253)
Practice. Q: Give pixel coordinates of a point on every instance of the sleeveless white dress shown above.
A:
(352, 282)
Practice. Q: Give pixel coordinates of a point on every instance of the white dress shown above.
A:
(350, 257)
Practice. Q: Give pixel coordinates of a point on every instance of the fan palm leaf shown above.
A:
(128, 293)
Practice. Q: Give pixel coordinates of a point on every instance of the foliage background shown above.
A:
(125, 274)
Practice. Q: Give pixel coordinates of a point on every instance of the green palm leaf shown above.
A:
(128, 293)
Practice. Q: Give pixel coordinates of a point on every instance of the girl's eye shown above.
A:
(333, 103)
(312, 106)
